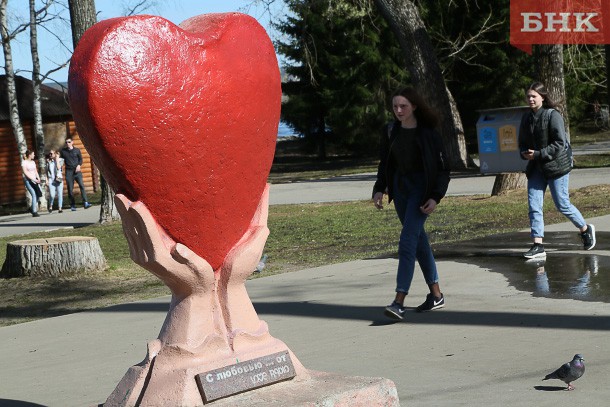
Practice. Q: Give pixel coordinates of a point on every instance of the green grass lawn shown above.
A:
(302, 236)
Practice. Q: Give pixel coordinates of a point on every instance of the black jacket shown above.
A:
(72, 158)
(434, 157)
(544, 132)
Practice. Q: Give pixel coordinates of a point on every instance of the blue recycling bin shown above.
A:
(498, 139)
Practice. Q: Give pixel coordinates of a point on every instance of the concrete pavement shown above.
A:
(491, 345)
(24, 223)
(360, 186)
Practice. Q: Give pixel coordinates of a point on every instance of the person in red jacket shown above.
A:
(414, 172)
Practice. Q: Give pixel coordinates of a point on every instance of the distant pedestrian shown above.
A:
(414, 172)
(73, 160)
(55, 180)
(543, 142)
(31, 180)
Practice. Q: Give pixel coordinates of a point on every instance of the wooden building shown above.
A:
(57, 125)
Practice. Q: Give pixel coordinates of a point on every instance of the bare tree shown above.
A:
(427, 76)
(134, 7)
(507, 181)
(36, 19)
(37, 109)
(10, 78)
(405, 21)
(10, 83)
(83, 16)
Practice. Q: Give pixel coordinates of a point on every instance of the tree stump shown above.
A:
(52, 257)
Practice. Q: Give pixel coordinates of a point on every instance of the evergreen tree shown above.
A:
(343, 65)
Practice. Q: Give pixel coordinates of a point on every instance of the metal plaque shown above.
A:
(244, 376)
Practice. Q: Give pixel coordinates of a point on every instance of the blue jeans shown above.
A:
(413, 244)
(56, 189)
(536, 187)
(30, 189)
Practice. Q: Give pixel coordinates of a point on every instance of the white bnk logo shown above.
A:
(567, 22)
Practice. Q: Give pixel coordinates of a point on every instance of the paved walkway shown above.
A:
(490, 346)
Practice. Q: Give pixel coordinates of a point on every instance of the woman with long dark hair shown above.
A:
(414, 173)
(543, 142)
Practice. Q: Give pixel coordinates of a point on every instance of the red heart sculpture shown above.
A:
(183, 118)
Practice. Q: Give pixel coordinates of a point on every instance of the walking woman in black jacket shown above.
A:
(543, 142)
(414, 173)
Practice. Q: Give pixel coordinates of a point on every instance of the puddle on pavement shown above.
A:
(567, 272)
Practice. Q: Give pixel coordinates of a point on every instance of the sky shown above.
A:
(52, 53)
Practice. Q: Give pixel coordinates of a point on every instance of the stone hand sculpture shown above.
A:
(194, 310)
(211, 322)
(204, 302)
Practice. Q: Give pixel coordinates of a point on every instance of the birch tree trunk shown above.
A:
(83, 16)
(405, 21)
(10, 82)
(37, 109)
(10, 86)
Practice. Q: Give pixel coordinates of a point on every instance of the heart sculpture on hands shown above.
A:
(183, 118)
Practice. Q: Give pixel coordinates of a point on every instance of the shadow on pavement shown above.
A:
(447, 317)
(550, 388)
(376, 317)
(18, 403)
(74, 225)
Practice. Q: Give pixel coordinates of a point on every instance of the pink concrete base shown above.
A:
(168, 377)
(319, 389)
(313, 389)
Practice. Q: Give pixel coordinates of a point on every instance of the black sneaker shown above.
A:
(395, 311)
(536, 252)
(432, 303)
(588, 237)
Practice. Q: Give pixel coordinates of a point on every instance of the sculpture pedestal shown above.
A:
(319, 389)
(312, 388)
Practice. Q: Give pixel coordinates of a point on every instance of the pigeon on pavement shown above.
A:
(569, 372)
